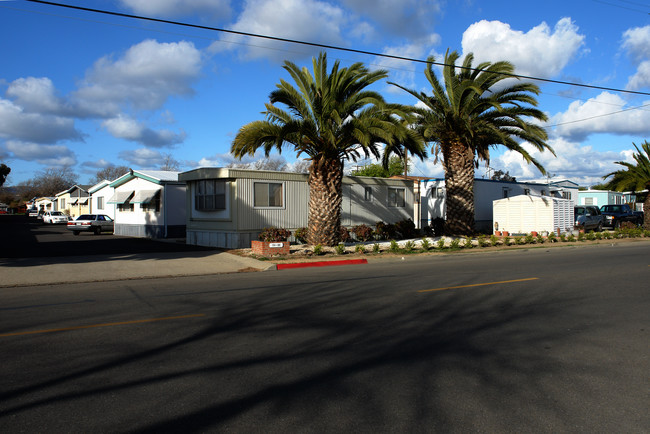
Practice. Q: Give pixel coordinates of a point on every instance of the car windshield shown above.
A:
(86, 217)
(56, 213)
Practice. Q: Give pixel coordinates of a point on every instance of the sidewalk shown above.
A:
(102, 268)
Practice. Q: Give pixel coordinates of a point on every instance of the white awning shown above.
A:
(145, 196)
(74, 202)
(120, 197)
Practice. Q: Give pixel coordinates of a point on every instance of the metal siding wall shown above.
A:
(292, 216)
(369, 213)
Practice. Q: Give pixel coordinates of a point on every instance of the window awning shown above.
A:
(74, 202)
(85, 202)
(145, 196)
(121, 197)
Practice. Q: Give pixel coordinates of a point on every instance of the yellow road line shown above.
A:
(478, 284)
(65, 329)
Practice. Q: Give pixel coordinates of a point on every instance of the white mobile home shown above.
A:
(524, 214)
(100, 194)
(486, 191)
(230, 207)
(149, 204)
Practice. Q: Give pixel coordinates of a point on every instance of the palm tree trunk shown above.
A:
(325, 198)
(459, 186)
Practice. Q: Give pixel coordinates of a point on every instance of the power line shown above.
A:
(599, 116)
(326, 46)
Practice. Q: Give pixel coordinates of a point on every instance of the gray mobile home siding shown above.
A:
(243, 222)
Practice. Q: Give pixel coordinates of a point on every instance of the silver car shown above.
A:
(95, 223)
(588, 217)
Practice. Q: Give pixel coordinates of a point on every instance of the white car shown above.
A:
(54, 217)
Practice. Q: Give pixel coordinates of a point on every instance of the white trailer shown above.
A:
(524, 214)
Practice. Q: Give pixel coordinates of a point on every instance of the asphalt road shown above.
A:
(24, 237)
(541, 340)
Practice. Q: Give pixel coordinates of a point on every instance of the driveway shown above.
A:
(25, 237)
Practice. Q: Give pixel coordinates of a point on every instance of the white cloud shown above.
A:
(595, 116)
(50, 155)
(127, 128)
(637, 42)
(143, 158)
(212, 8)
(408, 18)
(404, 72)
(579, 163)
(642, 77)
(144, 78)
(305, 20)
(539, 52)
(35, 95)
(18, 125)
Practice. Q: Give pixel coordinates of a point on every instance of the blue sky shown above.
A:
(85, 90)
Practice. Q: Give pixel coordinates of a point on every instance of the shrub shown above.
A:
(529, 239)
(428, 231)
(409, 246)
(438, 226)
(571, 238)
(506, 241)
(340, 249)
(599, 235)
(274, 234)
(362, 232)
(468, 243)
(646, 233)
(482, 242)
(360, 248)
(591, 235)
(441, 243)
(405, 228)
(581, 236)
(607, 235)
(520, 240)
(375, 248)
(384, 231)
(563, 237)
(344, 234)
(318, 249)
(540, 239)
(455, 244)
(494, 240)
(551, 237)
(426, 245)
(301, 235)
(394, 247)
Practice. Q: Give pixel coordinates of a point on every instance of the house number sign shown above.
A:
(276, 245)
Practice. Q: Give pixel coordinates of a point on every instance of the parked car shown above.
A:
(614, 215)
(32, 212)
(95, 223)
(54, 217)
(588, 218)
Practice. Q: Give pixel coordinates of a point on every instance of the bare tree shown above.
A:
(109, 173)
(300, 166)
(52, 181)
(270, 163)
(170, 164)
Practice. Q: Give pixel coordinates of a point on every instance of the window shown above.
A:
(210, 195)
(566, 194)
(589, 201)
(396, 197)
(367, 194)
(440, 192)
(543, 192)
(125, 207)
(505, 192)
(100, 202)
(152, 205)
(267, 195)
(62, 203)
(527, 191)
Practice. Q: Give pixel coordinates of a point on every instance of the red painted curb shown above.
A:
(321, 264)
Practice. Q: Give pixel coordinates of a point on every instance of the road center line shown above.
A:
(110, 324)
(479, 284)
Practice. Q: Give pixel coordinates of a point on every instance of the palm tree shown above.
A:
(469, 113)
(330, 117)
(635, 177)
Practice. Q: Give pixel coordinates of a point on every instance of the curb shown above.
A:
(321, 264)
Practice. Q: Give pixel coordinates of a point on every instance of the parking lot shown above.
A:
(25, 237)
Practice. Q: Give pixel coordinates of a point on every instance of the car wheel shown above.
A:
(97, 230)
(75, 232)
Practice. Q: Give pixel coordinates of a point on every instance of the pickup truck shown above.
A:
(614, 215)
